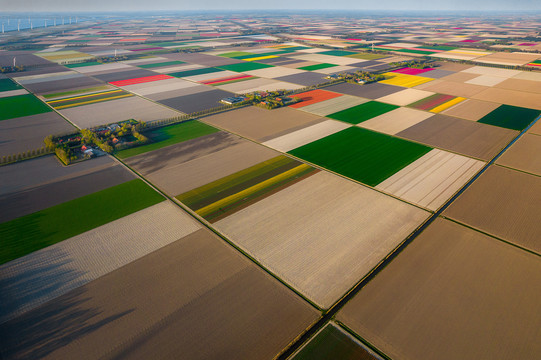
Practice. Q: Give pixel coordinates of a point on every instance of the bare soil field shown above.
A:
(45, 87)
(203, 59)
(405, 97)
(27, 132)
(261, 124)
(521, 85)
(210, 303)
(117, 110)
(459, 77)
(334, 105)
(462, 136)
(396, 120)
(59, 268)
(452, 66)
(322, 234)
(524, 155)
(190, 164)
(305, 79)
(161, 86)
(453, 88)
(484, 70)
(432, 179)
(124, 75)
(505, 203)
(506, 58)
(510, 97)
(536, 128)
(370, 91)
(196, 102)
(486, 80)
(57, 191)
(465, 294)
(471, 109)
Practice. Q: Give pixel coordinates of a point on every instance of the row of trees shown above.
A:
(25, 155)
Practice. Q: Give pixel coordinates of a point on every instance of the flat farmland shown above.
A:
(78, 100)
(244, 66)
(334, 105)
(437, 103)
(467, 295)
(313, 97)
(204, 284)
(395, 121)
(405, 97)
(334, 343)
(117, 110)
(58, 188)
(323, 234)
(471, 109)
(162, 86)
(8, 85)
(64, 266)
(510, 97)
(454, 88)
(306, 135)
(432, 179)
(462, 136)
(225, 196)
(21, 105)
(57, 85)
(370, 91)
(196, 102)
(306, 78)
(486, 80)
(169, 135)
(520, 85)
(404, 80)
(504, 203)
(510, 117)
(27, 132)
(361, 154)
(362, 112)
(262, 124)
(65, 220)
(125, 77)
(193, 163)
(536, 128)
(524, 155)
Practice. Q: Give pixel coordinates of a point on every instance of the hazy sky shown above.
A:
(136, 5)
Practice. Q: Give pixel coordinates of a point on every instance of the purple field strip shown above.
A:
(410, 71)
(432, 101)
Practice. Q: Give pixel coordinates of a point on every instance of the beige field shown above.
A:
(521, 85)
(453, 88)
(396, 120)
(405, 97)
(504, 203)
(300, 64)
(249, 86)
(262, 124)
(484, 70)
(57, 269)
(162, 86)
(307, 135)
(505, 58)
(510, 97)
(110, 67)
(108, 112)
(197, 298)
(432, 179)
(471, 109)
(274, 72)
(338, 60)
(536, 128)
(185, 166)
(452, 66)
(323, 234)
(214, 75)
(524, 155)
(459, 77)
(528, 75)
(324, 108)
(334, 69)
(486, 80)
(453, 293)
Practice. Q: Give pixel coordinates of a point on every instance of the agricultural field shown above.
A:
(21, 105)
(524, 155)
(502, 202)
(65, 220)
(69, 102)
(437, 103)
(395, 121)
(456, 283)
(361, 154)
(362, 112)
(510, 117)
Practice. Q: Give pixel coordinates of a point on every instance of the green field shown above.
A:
(160, 64)
(317, 67)
(8, 85)
(222, 197)
(337, 53)
(244, 66)
(194, 72)
(361, 154)
(332, 343)
(35, 231)
(510, 117)
(363, 112)
(21, 105)
(169, 135)
(233, 54)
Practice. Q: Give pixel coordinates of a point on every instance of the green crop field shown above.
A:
(169, 135)
(361, 154)
(21, 105)
(363, 112)
(234, 54)
(317, 67)
(35, 231)
(337, 53)
(160, 64)
(194, 72)
(8, 84)
(510, 117)
(244, 66)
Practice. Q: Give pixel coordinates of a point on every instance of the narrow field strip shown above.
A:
(431, 102)
(74, 217)
(226, 80)
(88, 99)
(404, 80)
(57, 269)
(447, 105)
(141, 80)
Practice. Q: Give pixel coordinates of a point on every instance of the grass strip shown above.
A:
(35, 231)
(169, 135)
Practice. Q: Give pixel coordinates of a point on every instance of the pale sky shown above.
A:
(159, 5)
